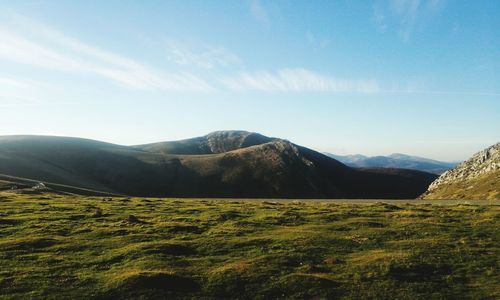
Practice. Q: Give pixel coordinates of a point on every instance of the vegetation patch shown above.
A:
(27, 244)
(9, 221)
(135, 281)
(87, 247)
(168, 249)
(376, 256)
(185, 229)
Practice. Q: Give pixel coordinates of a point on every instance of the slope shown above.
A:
(474, 179)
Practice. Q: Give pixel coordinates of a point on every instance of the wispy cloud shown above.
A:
(205, 56)
(408, 11)
(404, 15)
(40, 46)
(16, 93)
(297, 80)
(379, 18)
(300, 80)
(430, 92)
(316, 42)
(259, 12)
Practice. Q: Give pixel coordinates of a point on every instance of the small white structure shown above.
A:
(39, 186)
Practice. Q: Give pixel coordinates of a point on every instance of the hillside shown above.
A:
(220, 164)
(395, 160)
(83, 163)
(476, 178)
(17, 185)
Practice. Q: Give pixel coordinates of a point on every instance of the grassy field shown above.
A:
(82, 247)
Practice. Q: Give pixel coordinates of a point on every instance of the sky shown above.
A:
(420, 77)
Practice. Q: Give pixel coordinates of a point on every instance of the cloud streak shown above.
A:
(40, 46)
(259, 12)
(404, 15)
(303, 81)
(15, 91)
(297, 80)
(206, 57)
(43, 47)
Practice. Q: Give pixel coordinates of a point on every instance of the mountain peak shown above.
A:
(212, 143)
(229, 132)
(400, 155)
(229, 140)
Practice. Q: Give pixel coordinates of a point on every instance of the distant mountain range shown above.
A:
(221, 164)
(477, 178)
(395, 160)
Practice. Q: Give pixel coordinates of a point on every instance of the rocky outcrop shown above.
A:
(468, 179)
(229, 140)
(483, 162)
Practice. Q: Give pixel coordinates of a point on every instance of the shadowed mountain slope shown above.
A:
(83, 163)
(19, 185)
(221, 164)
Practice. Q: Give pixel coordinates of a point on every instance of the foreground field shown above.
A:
(75, 247)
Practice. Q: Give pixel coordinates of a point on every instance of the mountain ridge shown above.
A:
(221, 164)
(394, 160)
(212, 143)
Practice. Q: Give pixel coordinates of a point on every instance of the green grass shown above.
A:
(82, 247)
(485, 186)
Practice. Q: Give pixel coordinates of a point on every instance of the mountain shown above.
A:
(350, 160)
(221, 164)
(212, 143)
(474, 179)
(395, 160)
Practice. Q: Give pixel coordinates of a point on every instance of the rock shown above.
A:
(483, 162)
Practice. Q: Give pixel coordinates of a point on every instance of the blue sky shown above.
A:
(414, 76)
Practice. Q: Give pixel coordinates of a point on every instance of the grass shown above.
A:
(485, 186)
(83, 247)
